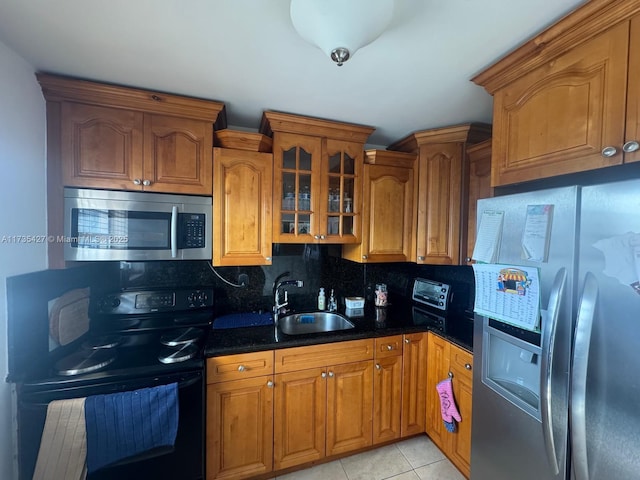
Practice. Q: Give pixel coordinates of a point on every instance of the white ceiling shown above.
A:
(247, 54)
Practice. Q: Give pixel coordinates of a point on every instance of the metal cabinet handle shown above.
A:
(137, 181)
(378, 367)
(330, 374)
(450, 374)
(467, 366)
(317, 237)
(421, 258)
(609, 152)
(406, 340)
(389, 347)
(364, 257)
(631, 146)
(268, 259)
(468, 259)
(270, 384)
(324, 375)
(322, 237)
(241, 368)
(146, 183)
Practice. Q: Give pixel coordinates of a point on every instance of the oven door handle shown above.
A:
(174, 231)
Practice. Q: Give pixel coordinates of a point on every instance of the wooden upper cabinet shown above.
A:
(177, 155)
(568, 100)
(242, 213)
(105, 136)
(479, 187)
(441, 191)
(318, 165)
(388, 208)
(101, 147)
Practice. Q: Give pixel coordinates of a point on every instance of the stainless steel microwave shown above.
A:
(136, 226)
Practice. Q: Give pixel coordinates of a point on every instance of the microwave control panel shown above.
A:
(192, 230)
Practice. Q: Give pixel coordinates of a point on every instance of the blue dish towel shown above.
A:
(121, 425)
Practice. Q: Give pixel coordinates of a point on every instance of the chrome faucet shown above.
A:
(277, 284)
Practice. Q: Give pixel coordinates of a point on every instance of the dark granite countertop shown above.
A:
(393, 320)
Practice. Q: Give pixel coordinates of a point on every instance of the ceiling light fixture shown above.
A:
(340, 27)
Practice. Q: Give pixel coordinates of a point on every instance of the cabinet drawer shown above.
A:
(236, 367)
(461, 360)
(301, 358)
(388, 346)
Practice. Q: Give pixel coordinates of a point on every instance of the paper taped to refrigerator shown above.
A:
(537, 231)
(488, 237)
(509, 293)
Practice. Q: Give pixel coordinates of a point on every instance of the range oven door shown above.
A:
(184, 461)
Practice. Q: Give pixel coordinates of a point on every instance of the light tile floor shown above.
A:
(414, 459)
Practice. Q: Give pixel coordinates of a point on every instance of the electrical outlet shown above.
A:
(243, 279)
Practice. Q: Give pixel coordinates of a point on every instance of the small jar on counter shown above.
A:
(381, 295)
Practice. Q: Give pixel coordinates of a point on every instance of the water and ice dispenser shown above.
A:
(512, 364)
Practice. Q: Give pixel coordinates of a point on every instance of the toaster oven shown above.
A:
(432, 293)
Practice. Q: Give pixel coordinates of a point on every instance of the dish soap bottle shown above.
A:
(321, 299)
(333, 305)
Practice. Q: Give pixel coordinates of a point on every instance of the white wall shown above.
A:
(22, 204)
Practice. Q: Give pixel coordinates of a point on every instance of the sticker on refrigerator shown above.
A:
(508, 293)
(536, 234)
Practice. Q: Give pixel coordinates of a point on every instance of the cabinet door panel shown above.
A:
(414, 384)
(239, 428)
(342, 176)
(300, 410)
(101, 147)
(557, 119)
(242, 207)
(438, 361)
(177, 155)
(479, 187)
(387, 399)
(462, 393)
(349, 407)
(295, 158)
(439, 197)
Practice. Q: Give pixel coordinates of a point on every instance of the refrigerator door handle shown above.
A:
(584, 326)
(548, 343)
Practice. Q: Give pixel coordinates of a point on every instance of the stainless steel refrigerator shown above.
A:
(563, 401)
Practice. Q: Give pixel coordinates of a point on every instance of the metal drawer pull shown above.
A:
(406, 340)
(331, 374)
(324, 375)
(378, 367)
(270, 384)
(467, 366)
(241, 368)
(389, 347)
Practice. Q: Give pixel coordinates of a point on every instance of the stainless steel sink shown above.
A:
(315, 322)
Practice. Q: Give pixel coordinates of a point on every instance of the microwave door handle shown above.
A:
(174, 231)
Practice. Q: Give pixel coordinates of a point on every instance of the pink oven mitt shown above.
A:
(448, 408)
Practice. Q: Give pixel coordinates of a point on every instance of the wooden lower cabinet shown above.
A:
(324, 410)
(387, 389)
(239, 416)
(300, 413)
(275, 410)
(444, 359)
(414, 383)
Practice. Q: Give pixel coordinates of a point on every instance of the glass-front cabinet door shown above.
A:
(317, 189)
(297, 162)
(341, 192)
